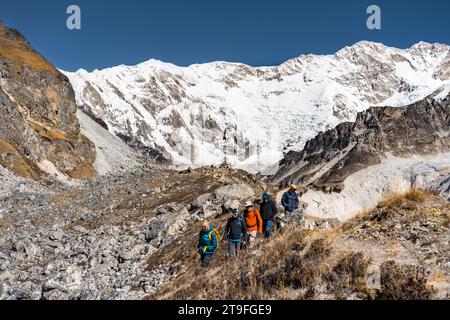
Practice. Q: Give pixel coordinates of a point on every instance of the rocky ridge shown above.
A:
(40, 133)
(422, 128)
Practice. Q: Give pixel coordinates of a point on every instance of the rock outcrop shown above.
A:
(39, 131)
(422, 128)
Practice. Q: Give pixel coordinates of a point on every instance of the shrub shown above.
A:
(400, 199)
(348, 275)
(416, 195)
(406, 282)
(296, 271)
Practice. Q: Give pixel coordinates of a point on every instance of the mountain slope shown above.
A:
(396, 251)
(113, 156)
(39, 132)
(387, 150)
(250, 117)
(422, 128)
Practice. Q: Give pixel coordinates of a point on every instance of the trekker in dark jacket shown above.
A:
(290, 199)
(235, 232)
(207, 243)
(268, 210)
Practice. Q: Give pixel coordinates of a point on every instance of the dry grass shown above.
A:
(401, 199)
(295, 265)
(397, 203)
(349, 275)
(16, 162)
(407, 282)
(15, 48)
(293, 270)
(300, 264)
(292, 266)
(48, 134)
(416, 195)
(81, 172)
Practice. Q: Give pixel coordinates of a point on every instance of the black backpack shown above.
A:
(236, 227)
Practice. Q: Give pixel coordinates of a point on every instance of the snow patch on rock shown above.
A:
(113, 155)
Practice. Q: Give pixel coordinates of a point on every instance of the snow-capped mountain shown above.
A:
(250, 117)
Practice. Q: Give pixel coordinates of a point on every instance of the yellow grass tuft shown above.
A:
(82, 172)
(399, 199)
(20, 53)
(16, 162)
(416, 195)
(48, 134)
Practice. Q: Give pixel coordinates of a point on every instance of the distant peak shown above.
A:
(364, 46)
(156, 63)
(365, 43)
(82, 71)
(422, 45)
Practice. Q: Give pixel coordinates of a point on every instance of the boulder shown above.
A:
(230, 204)
(132, 254)
(26, 291)
(56, 235)
(26, 247)
(166, 227)
(53, 289)
(209, 209)
(169, 208)
(202, 200)
(234, 191)
(74, 281)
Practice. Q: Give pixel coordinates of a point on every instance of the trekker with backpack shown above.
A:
(253, 222)
(268, 211)
(235, 233)
(290, 199)
(207, 243)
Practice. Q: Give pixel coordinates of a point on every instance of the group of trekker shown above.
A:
(243, 229)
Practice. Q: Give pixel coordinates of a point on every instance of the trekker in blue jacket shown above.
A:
(290, 199)
(235, 233)
(207, 243)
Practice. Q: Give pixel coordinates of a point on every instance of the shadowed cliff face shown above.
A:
(422, 128)
(38, 124)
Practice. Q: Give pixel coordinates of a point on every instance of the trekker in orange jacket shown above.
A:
(253, 221)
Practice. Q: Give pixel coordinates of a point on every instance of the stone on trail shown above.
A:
(234, 191)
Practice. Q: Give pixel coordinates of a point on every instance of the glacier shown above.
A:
(249, 117)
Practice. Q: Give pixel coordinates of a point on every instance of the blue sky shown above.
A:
(184, 32)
